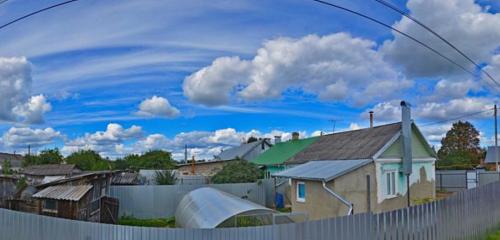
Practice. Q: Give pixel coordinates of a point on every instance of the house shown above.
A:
(207, 169)
(490, 162)
(273, 160)
(14, 159)
(359, 171)
(39, 174)
(81, 197)
(8, 189)
(246, 151)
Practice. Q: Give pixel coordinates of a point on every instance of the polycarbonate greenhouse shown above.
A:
(210, 208)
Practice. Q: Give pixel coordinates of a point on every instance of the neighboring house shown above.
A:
(80, 197)
(15, 160)
(39, 174)
(125, 178)
(332, 174)
(207, 169)
(246, 151)
(490, 161)
(273, 160)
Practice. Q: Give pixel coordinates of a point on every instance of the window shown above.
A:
(49, 205)
(390, 183)
(301, 192)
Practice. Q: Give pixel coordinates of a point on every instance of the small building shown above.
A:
(273, 160)
(490, 162)
(125, 178)
(359, 171)
(15, 160)
(246, 151)
(40, 174)
(8, 189)
(206, 169)
(80, 197)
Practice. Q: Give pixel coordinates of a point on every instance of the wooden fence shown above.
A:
(465, 215)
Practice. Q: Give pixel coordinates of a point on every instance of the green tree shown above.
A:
(165, 177)
(460, 146)
(48, 156)
(252, 139)
(239, 171)
(157, 159)
(6, 167)
(88, 160)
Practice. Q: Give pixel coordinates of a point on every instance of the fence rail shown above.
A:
(465, 215)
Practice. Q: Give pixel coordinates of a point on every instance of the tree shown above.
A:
(239, 171)
(156, 159)
(6, 167)
(252, 139)
(48, 156)
(88, 160)
(460, 146)
(165, 177)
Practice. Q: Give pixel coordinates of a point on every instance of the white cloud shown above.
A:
(463, 22)
(24, 137)
(34, 109)
(326, 66)
(157, 107)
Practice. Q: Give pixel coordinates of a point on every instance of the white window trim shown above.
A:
(396, 176)
(299, 199)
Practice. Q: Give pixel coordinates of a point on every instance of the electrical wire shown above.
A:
(458, 117)
(398, 31)
(36, 12)
(398, 10)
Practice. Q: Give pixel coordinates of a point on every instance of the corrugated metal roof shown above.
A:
(322, 170)
(51, 169)
(208, 208)
(240, 151)
(125, 178)
(490, 155)
(357, 144)
(283, 151)
(14, 159)
(64, 192)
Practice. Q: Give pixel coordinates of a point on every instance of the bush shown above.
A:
(165, 177)
(239, 171)
(155, 222)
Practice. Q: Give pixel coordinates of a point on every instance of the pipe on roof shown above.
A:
(343, 200)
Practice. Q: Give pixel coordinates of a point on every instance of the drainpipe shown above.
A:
(343, 200)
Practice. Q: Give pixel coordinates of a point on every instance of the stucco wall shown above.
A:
(353, 187)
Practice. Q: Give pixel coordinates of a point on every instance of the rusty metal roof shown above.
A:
(64, 192)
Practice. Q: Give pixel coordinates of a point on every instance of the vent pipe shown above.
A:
(371, 119)
(406, 137)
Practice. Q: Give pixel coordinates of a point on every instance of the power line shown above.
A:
(398, 31)
(36, 12)
(396, 9)
(458, 117)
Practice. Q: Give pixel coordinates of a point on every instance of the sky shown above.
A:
(122, 77)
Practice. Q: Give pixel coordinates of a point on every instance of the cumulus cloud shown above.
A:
(474, 30)
(157, 107)
(326, 66)
(24, 137)
(103, 141)
(16, 104)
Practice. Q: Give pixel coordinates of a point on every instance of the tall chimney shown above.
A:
(277, 139)
(295, 136)
(371, 119)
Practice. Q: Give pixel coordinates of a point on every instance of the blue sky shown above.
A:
(126, 76)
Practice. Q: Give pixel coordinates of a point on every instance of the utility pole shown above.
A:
(334, 123)
(496, 136)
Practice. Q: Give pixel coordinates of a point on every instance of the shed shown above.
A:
(210, 208)
(65, 201)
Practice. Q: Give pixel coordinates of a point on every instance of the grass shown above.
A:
(494, 236)
(284, 210)
(155, 222)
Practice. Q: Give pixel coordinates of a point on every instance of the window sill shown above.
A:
(301, 200)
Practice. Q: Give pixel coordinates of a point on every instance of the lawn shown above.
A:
(155, 222)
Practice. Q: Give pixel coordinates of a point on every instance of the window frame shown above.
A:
(391, 183)
(49, 210)
(298, 198)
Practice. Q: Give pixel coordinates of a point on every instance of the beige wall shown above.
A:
(320, 204)
(203, 169)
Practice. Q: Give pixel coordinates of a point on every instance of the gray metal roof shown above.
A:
(490, 155)
(64, 192)
(356, 144)
(322, 170)
(208, 208)
(51, 170)
(240, 151)
(15, 159)
(125, 178)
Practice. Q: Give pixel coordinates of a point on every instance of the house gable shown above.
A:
(420, 147)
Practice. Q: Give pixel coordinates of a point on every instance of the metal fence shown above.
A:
(465, 215)
(155, 201)
(459, 180)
